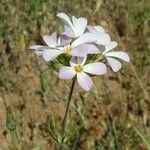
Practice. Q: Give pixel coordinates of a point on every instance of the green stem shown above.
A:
(13, 140)
(65, 116)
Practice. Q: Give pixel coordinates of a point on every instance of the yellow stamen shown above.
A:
(68, 50)
(78, 68)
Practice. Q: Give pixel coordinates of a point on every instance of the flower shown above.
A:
(102, 38)
(79, 47)
(73, 28)
(77, 41)
(111, 56)
(81, 70)
(52, 43)
(105, 45)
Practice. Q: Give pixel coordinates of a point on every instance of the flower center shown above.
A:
(68, 50)
(78, 68)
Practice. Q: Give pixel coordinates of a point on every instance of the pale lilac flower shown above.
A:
(111, 56)
(79, 47)
(104, 41)
(81, 70)
(52, 43)
(102, 38)
(73, 28)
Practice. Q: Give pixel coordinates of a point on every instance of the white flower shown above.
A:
(51, 42)
(79, 47)
(104, 41)
(73, 28)
(79, 69)
(102, 38)
(111, 56)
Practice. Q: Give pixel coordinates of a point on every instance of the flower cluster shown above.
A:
(80, 51)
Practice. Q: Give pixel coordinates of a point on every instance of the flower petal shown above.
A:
(84, 38)
(79, 25)
(96, 29)
(110, 46)
(66, 73)
(51, 40)
(114, 64)
(77, 60)
(65, 19)
(69, 31)
(73, 61)
(81, 60)
(121, 55)
(103, 39)
(96, 68)
(84, 81)
(92, 48)
(37, 49)
(99, 29)
(51, 54)
(80, 51)
(39, 52)
(101, 48)
(64, 40)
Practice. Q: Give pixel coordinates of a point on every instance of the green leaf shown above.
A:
(53, 129)
(10, 121)
(45, 83)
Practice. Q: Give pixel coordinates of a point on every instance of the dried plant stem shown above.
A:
(3, 98)
(66, 113)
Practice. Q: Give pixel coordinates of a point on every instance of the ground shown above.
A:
(111, 113)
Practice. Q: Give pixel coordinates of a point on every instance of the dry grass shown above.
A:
(117, 102)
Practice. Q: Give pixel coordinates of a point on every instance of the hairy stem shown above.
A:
(66, 114)
(13, 140)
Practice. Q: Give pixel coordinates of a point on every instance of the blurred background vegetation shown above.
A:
(115, 115)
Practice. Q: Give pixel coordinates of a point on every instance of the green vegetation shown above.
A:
(115, 115)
